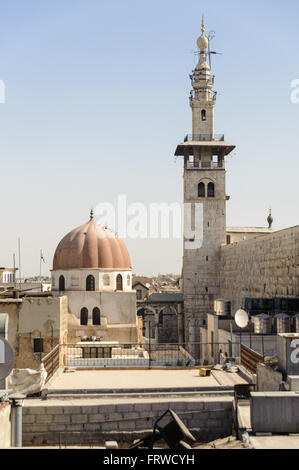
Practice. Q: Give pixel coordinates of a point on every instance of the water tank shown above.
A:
(282, 323)
(222, 307)
(262, 324)
(296, 323)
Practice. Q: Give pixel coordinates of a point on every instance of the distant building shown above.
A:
(7, 275)
(141, 291)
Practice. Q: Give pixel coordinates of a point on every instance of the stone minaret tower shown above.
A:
(204, 201)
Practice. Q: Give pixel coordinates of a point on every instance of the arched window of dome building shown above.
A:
(203, 115)
(106, 280)
(90, 283)
(119, 282)
(96, 316)
(201, 190)
(61, 283)
(128, 280)
(84, 316)
(211, 190)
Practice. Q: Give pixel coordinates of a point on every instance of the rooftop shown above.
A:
(249, 230)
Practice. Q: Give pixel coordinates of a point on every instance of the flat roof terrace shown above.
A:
(148, 380)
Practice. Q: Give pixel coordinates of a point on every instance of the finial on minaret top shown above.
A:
(203, 24)
(202, 41)
(91, 214)
(270, 218)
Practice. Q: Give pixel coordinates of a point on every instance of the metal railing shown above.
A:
(147, 355)
(51, 361)
(204, 138)
(199, 164)
(250, 359)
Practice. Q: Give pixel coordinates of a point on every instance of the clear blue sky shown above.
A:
(97, 100)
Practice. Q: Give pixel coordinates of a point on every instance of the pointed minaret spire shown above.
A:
(91, 214)
(203, 24)
(270, 218)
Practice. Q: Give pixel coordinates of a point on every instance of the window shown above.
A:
(38, 345)
(96, 316)
(106, 280)
(201, 190)
(138, 294)
(161, 318)
(84, 316)
(211, 190)
(90, 283)
(203, 115)
(128, 280)
(53, 281)
(61, 283)
(119, 282)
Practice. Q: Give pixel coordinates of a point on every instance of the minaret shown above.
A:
(202, 98)
(204, 201)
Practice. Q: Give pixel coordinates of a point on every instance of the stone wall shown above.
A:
(266, 266)
(5, 425)
(201, 261)
(47, 424)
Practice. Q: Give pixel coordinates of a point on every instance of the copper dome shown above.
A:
(91, 246)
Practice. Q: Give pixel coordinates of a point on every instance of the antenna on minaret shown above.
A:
(211, 36)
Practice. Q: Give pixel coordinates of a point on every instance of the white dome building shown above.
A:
(92, 267)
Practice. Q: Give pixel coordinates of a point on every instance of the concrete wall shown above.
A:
(266, 266)
(268, 380)
(5, 425)
(45, 424)
(285, 417)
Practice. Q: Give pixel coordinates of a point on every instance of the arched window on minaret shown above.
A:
(201, 190)
(211, 190)
(90, 283)
(84, 316)
(203, 115)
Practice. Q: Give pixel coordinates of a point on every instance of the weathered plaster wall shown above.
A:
(5, 425)
(34, 317)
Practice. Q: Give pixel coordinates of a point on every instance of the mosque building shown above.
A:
(92, 267)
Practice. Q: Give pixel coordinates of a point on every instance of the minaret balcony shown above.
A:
(204, 138)
(200, 165)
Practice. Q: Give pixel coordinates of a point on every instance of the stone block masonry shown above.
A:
(265, 266)
(45, 424)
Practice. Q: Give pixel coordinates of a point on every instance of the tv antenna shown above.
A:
(211, 36)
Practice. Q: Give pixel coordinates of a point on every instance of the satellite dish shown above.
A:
(241, 318)
(7, 358)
